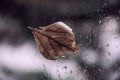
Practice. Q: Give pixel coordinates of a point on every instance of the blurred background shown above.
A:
(96, 24)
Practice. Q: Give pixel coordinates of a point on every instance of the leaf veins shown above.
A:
(54, 40)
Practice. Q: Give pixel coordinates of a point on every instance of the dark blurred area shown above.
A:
(85, 17)
(36, 13)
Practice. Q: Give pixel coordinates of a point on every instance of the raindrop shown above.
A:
(87, 37)
(108, 18)
(70, 57)
(104, 14)
(105, 4)
(119, 11)
(63, 56)
(116, 36)
(103, 27)
(106, 11)
(100, 22)
(79, 67)
(80, 36)
(118, 18)
(44, 67)
(109, 53)
(101, 70)
(107, 45)
(94, 31)
(100, 15)
(57, 70)
(84, 70)
(90, 40)
(65, 67)
(98, 10)
(95, 35)
(58, 75)
(75, 32)
(80, 44)
(71, 72)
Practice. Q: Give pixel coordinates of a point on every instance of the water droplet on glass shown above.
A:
(79, 67)
(95, 35)
(101, 70)
(118, 18)
(63, 56)
(105, 4)
(103, 27)
(107, 44)
(98, 10)
(108, 18)
(104, 14)
(80, 44)
(58, 75)
(57, 70)
(100, 16)
(71, 72)
(65, 67)
(80, 36)
(119, 11)
(106, 11)
(109, 53)
(70, 57)
(94, 31)
(44, 67)
(90, 40)
(87, 37)
(84, 70)
(100, 22)
(75, 32)
(116, 36)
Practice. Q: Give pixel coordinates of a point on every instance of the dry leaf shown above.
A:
(54, 40)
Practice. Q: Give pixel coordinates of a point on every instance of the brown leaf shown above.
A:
(54, 40)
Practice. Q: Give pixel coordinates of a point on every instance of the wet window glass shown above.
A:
(95, 24)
